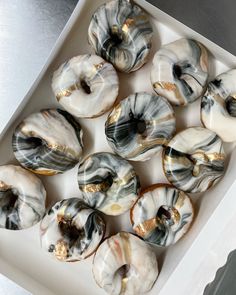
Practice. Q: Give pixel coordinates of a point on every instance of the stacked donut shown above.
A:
(138, 127)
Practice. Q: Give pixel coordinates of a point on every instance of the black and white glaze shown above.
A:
(162, 215)
(86, 85)
(48, 142)
(140, 125)
(124, 264)
(180, 71)
(22, 198)
(71, 230)
(121, 33)
(218, 107)
(108, 183)
(194, 160)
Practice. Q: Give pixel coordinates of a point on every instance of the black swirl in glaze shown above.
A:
(48, 142)
(121, 33)
(140, 125)
(71, 230)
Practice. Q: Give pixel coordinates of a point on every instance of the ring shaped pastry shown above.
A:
(194, 160)
(86, 86)
(124, 264)
(22, 198)
(121, 33)
(162, 215)
(218, 107)
(180, 71)
(71, 230)
(139, 126)
(108, 183)
(48, 142)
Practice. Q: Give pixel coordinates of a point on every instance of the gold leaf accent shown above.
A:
(100, 65)
(67, 92)
(61, 250)
(116, 114)
(170, 87)
(4, 186)
(115, 207)
(91, 188)
(148, 225)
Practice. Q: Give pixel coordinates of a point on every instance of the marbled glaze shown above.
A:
(180, 71)
(162, 215)
(139, 126)
(86, 85)
(194, 160)
(121, 33)
(218, 107)
(108, 183)
(22, 198)
(48, 142)
(124, 264)
(71, 230)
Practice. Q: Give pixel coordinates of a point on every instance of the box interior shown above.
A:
(21, 257)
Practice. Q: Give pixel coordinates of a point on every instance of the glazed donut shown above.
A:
(180, 71)
(48, 142)
(124, 264)
(139, 126)
(108, 183)
(121, 33)
(162, 215)
(218, 107)
(86, 86)
(22, 198)
(194, 160)
(71, 230)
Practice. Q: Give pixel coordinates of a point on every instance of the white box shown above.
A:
(185, 268)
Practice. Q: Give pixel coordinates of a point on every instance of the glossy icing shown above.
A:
(124, 264)
(22, 198)
(180, 71)
(121, 33)
(86, 85)
(71, 230)
(48, 142)
(218, 107)
(162, 215)
(194, 160)
(108, 183)
(139, 126)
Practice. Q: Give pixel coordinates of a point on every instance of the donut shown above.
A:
(194, 160)
(180, 71)
(71, 230)
(22, 198)
(162, 215)
(139, 126)
(48, 142)
(108, 183)
(86, 86)
(218, 107)
(124, 264)
(121, 33)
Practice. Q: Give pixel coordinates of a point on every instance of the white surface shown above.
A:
(43, 272)
(28, 31)
(7, 287)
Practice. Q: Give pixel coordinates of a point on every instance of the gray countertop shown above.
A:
(28, 31)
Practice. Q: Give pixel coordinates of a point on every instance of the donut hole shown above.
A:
(34, 142)
(70, 231)
(8, 200)
(115, 37)
(177, 71)
(85, 86)
(230, 104)
(122, 271)
(136, 124)
(170, 214)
